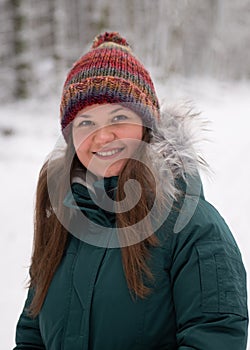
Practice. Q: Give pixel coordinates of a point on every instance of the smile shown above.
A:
(110, 153)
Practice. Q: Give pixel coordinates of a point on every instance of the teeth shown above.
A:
(108, 153)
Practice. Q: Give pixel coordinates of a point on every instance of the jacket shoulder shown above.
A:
(199, 220)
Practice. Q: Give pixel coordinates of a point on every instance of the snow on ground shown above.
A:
(31, 129)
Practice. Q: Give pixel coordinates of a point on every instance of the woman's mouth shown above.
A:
(108, 154)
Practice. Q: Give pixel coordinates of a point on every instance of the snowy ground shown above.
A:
(29, 130)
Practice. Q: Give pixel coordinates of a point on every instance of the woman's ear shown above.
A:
(146, 135)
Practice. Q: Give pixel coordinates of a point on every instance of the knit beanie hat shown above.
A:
(108, 73)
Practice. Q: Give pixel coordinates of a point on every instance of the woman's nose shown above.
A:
(104, 135)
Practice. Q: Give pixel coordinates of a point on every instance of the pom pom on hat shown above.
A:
(107, 38)
(108, 73)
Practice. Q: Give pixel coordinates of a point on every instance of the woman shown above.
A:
(128, 254)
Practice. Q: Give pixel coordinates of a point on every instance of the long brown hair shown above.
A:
(50, 236)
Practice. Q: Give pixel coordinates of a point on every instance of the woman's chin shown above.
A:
(113, 170)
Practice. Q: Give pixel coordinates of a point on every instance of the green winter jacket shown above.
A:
(198, 297)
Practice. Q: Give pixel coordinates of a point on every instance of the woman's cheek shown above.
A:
(81, 142)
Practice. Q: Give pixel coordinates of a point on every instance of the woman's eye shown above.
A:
(85, 123)
(119, 118)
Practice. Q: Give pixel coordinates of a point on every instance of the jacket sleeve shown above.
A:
(27, 331)
(209, 285)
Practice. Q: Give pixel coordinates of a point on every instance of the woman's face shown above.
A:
(105, 136)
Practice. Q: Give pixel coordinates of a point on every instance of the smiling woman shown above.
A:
(128, 254)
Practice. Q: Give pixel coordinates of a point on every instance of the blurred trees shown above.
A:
(39, 40)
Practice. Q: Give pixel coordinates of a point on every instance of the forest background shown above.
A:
(39, 40)
(196, 50)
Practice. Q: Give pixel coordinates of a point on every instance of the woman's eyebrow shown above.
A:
(90, 116)
(116, 110)
(84, 116)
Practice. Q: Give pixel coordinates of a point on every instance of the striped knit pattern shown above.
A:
(108, 73)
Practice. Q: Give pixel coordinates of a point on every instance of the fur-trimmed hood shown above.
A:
(177, 139)
(175, 146)
(178, 158)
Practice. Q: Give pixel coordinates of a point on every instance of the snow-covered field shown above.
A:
(29, 130)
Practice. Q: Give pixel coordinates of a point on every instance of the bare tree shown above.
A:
(40, 40)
